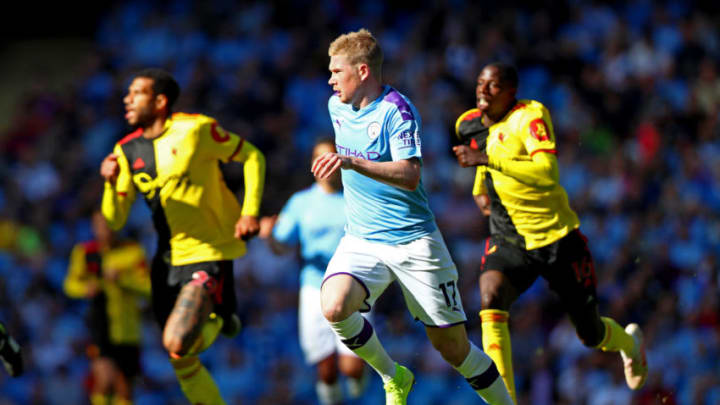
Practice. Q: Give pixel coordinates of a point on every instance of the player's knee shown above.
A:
(102, 371)
(334, 311)
(491, 298)
(494, 291)
(174, 343)
(452, 350)
(327, 370)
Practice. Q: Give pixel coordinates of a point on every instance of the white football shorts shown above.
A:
(423, 268)
(317, 339)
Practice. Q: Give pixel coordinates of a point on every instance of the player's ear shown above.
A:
(363, 71)
(161, 102)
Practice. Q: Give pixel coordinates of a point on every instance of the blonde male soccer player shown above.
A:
(172, 160)
(391, 233)
(534, 232)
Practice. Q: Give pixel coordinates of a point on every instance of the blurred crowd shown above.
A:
(633, 88)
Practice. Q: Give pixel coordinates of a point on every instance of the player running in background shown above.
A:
(391, 233)
(314, 219)
(534, 232)
(10, 353)
(172, 159)
(113, 274)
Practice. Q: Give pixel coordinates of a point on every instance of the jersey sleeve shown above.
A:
(404, 136)
(287, 227)
(118, 198)
(536, 131)
(479, 185)
(77, 281)
(217, 143)
(253, 161)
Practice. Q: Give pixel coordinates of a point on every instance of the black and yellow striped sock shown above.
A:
(196, 382)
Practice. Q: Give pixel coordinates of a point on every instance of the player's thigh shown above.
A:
(201, 292)
(361, 261)
(214, 277)
(506, 271)
(428, 278)
(572, 276)
(163, 295)
(317, 339)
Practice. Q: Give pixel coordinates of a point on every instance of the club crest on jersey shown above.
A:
(373, 130)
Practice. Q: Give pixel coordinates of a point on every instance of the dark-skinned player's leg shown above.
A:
(573, 278)
(505, 273)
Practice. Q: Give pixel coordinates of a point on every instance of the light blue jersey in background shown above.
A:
(315, 220)
(388, 129)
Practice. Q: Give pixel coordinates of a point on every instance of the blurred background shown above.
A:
(634, 92)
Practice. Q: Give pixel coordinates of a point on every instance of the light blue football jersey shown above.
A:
(315, 220)
(388, 129)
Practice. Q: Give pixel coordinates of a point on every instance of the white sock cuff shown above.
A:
(328, 394)
(349, 327)
(476, 362)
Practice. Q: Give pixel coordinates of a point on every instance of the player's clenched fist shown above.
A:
(109, 168)
(468, 157)
(247, 227)
(327, 163)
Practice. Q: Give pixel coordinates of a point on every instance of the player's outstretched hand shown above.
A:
(327, 163)
(469, 157)
(109, 168)
(247, 227)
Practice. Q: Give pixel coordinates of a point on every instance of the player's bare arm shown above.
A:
(192, 307)
(109, 168)
(404, 174)
(469, 157)
(246, 227)
(266, 228)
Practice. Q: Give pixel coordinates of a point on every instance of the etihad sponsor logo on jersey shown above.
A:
(368, 155)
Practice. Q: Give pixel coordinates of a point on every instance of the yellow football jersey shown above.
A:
(528, 204)
(179, 175)
(118, 305)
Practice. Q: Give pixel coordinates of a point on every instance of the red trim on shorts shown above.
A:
(487, 248)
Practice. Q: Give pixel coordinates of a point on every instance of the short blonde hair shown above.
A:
(360, 47)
